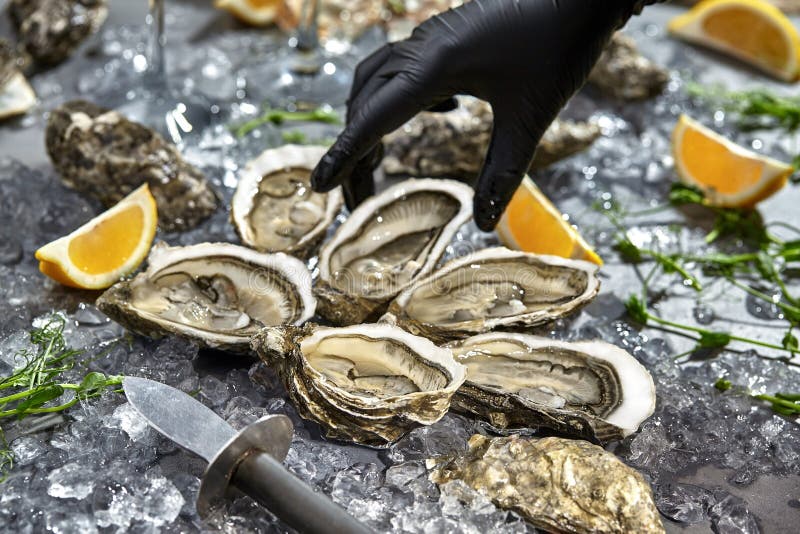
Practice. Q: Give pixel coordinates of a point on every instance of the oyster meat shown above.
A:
(454, 143)
(50, 30)
(493, 288)
(100, 152)
(559, 485)
(388, 242)
(622, 72)
(274, 208)
(367, 383)
(216, 294)
(590, 389)
(16, 94)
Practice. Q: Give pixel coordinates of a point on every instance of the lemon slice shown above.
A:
(751, 30)
(532, 223)
(253, 12)
(16, 97)
(106, 248)
(728, 174)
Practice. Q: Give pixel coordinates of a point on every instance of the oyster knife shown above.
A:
(250, 460)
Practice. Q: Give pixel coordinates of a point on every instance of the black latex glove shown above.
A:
(525, 57)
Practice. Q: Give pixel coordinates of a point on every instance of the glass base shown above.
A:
(176, 117)
(297, 79)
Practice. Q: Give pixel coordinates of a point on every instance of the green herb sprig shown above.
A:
(783, 403)
(279, 116)
(35, 387)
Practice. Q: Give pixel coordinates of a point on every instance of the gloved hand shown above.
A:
(525, 57)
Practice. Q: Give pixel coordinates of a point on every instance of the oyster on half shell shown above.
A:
(387, 243)
(216, 294)
(559, 485)
(274, 208)
(16, 94)
(493, 288)
(367, 383)
(589, 389)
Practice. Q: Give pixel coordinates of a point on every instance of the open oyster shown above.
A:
(100, 152)
(591, 389)
(50, 30)
(16, 94)
(274, 208)
(387, 243)
(559, 485)
(622, 72)
(217, 294)
(493, 288)
(368, 383)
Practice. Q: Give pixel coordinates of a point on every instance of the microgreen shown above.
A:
(783, 403)
(278, 117)
(35, 386)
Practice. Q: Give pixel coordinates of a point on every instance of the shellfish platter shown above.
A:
(437, 380)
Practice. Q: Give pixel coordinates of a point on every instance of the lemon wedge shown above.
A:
(753, 31)
(728, 174)
(532, 223)
(106, 248)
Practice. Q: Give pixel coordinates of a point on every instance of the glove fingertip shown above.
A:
(487, 212)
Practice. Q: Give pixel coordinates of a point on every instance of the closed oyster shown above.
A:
(387, 243)
(216, 294)
(50, 30)
(274, 208)
(454, 143)
(368, 383)
(100, 152)
(493, 288)
(559, 485)
(622, 72)
(591, 389)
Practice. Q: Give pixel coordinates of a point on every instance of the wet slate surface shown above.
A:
(717, 462)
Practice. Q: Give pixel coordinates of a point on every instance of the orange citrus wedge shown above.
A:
(754, 31)
(728, 174)
(106, 248)
(253, 12)
(533, 224)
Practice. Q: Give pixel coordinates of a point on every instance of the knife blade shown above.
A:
(249, 460)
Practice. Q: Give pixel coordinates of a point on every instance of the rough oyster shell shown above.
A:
(493, 288)
(50, 30)
(100, 152)
(387, 243)
(274, 208)
(591, 389)
(368, 383)
(622, 72)
(559, 485)
(454, 143)
(216, 294)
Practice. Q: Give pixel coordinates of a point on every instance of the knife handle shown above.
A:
(264, 479)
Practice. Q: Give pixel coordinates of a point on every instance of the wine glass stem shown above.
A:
(155, 74)
(307, 30)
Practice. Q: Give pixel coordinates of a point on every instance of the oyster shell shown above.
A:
(274, 208)
(367, 383)
(16, 94)
(622, 72)
(559, 485)
(100, 152)
(387, 243)
(50, 30)
(217, 294)
(493, 288)
(591, 389)
(454, 143)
